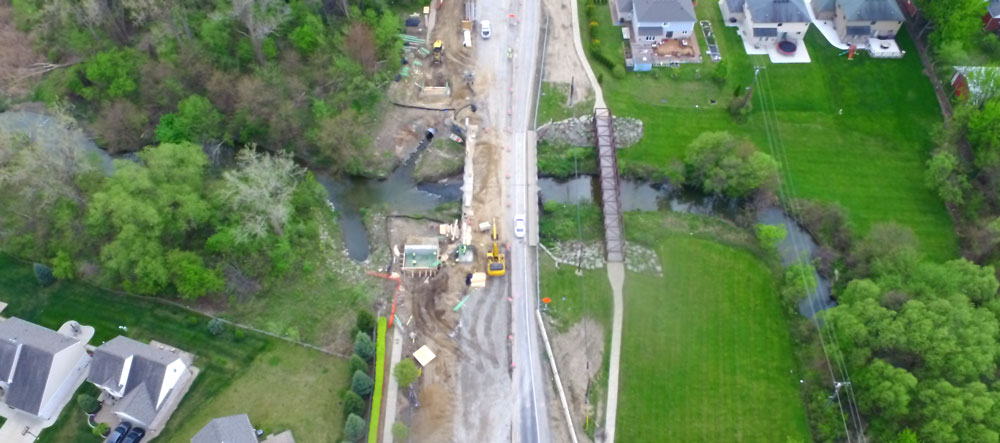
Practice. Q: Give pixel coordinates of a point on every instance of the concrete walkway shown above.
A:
(389, 416)
(616, 271)
(616, 274)
(578, 44)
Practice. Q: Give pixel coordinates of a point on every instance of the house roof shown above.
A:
(232, 429)
(624, 6)
(662, 11)
(994, 8)
(824, 5)
(146, 372)
(735, 5)
(778, 11)
(865, 10)
(32, 347)
(983, 81)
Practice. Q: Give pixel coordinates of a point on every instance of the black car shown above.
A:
(119, 433)
(135, 435)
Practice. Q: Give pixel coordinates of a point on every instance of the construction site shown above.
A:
(447, 282)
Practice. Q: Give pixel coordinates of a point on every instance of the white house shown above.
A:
(138, 377)
(40, 368)
(655, 20)
(764, 22)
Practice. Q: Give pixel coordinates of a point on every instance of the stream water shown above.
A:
(645, 196)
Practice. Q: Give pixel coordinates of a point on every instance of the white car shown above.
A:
(519, 225)
(485, 30)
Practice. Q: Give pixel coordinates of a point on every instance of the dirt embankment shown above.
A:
(579, 354)
(561, 63)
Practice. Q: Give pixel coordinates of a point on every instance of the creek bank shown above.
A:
(637, 195)
(579, 131)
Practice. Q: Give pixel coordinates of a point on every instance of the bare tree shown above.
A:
(259, 192)
(360, 45)
(261, 18)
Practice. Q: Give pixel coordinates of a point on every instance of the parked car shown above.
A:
(519, 225)
(119, 433)
(485, 30)
(135, 436)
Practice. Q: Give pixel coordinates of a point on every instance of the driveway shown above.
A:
(13, 431)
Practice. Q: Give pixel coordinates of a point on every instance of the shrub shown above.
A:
(363, 346)
(770, 235)
(357, 364)
(406, 372)
(88, 403)
(362, 384)
(354, 428)
(353, 403)
(365, 322)
(216, 326)
(720, 71)
(719, 163)
(618, 71)
(400, 432)
(44, 274)
(239, 334)
(101, 430)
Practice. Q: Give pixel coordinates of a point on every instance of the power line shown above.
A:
(831, 331)
(786, 188)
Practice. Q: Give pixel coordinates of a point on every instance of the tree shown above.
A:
(770, 235)
(363, 346)
(141, 210)
(309, 34)
(721, 71)
(888, 389)
(406, 372)
(120, 126)
(400, 432)
(360, 45)
(353, 403)
(340, 142)
(944, 175)
(113, 74)
(984, 135)
(362, 384)
(354, 428)
(88, 403)
(718, 163)
(260, 18)
(258, 193)
(885, 242)
(196, 120)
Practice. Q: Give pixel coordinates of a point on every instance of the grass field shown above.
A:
(238, 374)
(856, 132)
(705, 351)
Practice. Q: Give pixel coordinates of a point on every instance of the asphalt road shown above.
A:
(508, 107)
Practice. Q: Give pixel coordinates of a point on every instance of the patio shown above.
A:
(664, 52)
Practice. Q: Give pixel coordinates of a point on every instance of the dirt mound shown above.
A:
(579, 353)
(433, 420)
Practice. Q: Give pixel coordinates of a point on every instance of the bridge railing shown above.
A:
(614, 229)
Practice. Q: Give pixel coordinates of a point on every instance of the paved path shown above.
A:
(578, 44)
(389, 416)
(616, 273)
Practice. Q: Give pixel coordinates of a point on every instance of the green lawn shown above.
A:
(234, 370)
(552, 104)
(706, 352)
(870, 158)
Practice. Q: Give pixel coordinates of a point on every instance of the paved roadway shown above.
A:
(509, 104)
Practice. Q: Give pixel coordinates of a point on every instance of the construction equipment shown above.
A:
(496, 264)
(438, 51)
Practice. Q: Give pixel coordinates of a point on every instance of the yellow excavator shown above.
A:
(437, 52)
(495, 261)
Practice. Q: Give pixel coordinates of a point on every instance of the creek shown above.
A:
(639, 195)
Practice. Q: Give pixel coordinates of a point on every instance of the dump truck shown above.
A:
(438, 51)
(496, 264)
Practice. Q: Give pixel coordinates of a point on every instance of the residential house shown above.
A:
(41, 368)
(976, 83)
(137, 378)
(236, 429)
(991, 20)
(856, 21)
(654, 21)
(765, 22)
(232, 429)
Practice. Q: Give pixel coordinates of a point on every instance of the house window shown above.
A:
(670, 34)
(779, 24)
